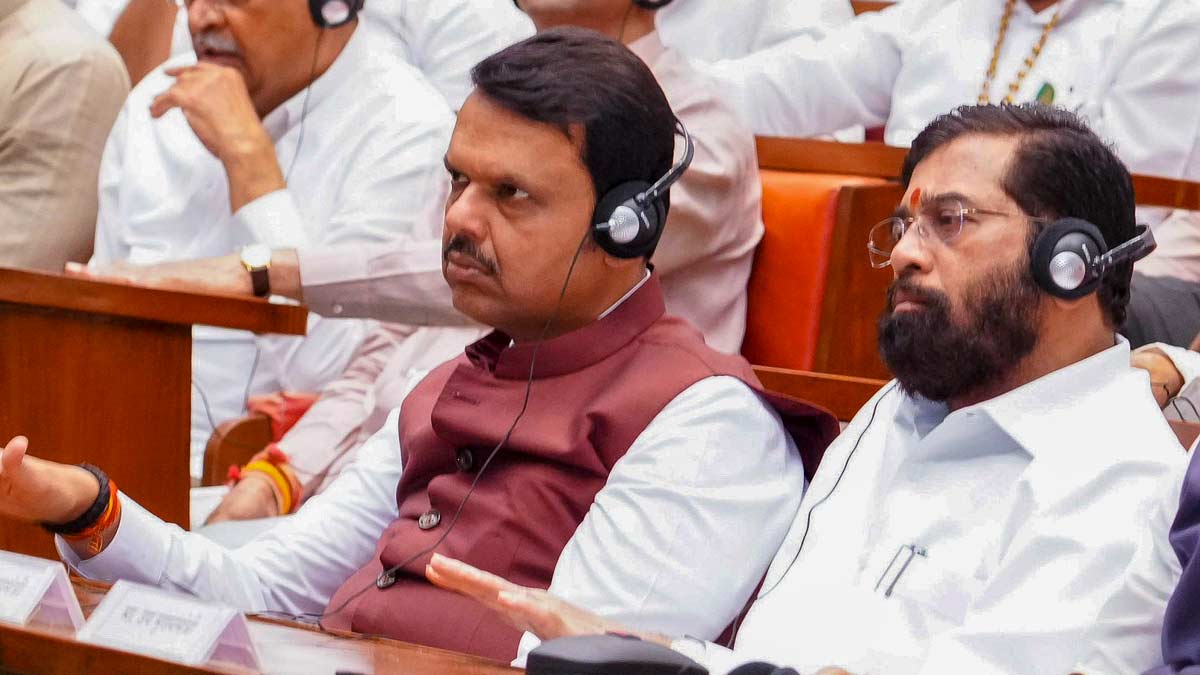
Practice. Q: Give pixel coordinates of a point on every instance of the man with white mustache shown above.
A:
(290, 127)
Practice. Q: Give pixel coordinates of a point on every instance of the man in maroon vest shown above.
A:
(589, 436)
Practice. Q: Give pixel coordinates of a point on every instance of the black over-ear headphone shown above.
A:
(334, 13)
(629, 218)
(1069, 257)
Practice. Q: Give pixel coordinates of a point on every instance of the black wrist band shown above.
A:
(93, 513)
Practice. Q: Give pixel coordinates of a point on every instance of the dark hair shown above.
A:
(574, 77)
(1060, 169)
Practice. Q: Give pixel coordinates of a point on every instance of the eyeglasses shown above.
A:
(943, 219)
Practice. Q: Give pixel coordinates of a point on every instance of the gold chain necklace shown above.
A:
(985, 96)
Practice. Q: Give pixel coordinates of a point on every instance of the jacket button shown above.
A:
(429, 519)
(385, 580)
(465, 460)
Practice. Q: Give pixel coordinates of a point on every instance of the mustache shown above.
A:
(467, 247)
(212, 41)
(932, 298)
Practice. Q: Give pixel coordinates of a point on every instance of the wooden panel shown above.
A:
(864, 6)
(135, 302)
(842, 395)
(1158, 191)
(283, 648)
(815, 156)
(855, 292)
(788, 283)
(112, 392)
(25, 651)
(885, 161)
(233, 443)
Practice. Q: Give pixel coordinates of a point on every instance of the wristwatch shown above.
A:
(256, 258)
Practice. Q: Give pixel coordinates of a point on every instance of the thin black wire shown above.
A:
(808, 517)
(312, 74)
(492, 455)
(1175, 404)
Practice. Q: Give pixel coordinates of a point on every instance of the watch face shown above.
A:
(256, 255)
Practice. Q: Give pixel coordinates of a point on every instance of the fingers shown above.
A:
(74, 269)
(537, 613)
(460, 577)
(13, 455)
(118, 274)
(164, 102)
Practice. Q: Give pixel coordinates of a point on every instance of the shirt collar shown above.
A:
(1031, 413)
(569, 353)
(282, 119)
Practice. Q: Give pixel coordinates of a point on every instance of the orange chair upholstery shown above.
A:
(788, 283)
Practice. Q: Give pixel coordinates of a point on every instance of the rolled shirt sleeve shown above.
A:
(294, 568)
(400, 281)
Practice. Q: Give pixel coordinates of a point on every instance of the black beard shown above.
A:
(939, 359)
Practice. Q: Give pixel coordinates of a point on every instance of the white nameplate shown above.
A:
(170, 626)
(37, 592)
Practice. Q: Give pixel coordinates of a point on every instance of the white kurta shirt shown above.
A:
(711, 30)
(1128, 66)
(1127, 636)
(982, 541)
(706, 491)
(443, 39)
(369, 171)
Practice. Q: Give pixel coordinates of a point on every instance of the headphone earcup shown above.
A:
(333, 13)
(623, 228)
(1061, 258)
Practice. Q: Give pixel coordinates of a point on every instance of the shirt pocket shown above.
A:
(944, 591)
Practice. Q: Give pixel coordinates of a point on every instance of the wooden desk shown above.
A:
(101, 372)
(283, 648)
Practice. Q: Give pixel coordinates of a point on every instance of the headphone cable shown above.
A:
(287, 177)
(808, 516)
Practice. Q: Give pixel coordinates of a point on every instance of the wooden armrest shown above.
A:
(842, 395)
(234, 443)
(1186, 432)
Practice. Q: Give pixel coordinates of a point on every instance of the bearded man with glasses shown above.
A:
(981, 509)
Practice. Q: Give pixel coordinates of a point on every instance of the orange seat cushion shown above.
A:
(787, 284)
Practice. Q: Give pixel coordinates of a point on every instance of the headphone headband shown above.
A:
(1140, 246)
(662, 185)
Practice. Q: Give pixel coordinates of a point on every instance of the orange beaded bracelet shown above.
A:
(94, 534)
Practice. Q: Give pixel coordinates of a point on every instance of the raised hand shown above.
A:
(217, 106)
(527, 609)
(35, 490)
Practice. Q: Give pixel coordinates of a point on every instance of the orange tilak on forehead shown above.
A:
(915, 200)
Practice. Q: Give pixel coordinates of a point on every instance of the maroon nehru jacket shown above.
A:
(594, 391)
